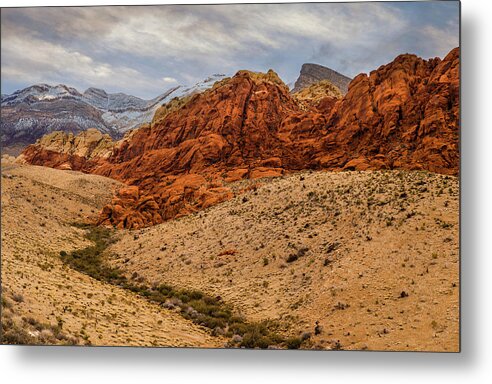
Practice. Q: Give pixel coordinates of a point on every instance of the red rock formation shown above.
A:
(63, 150)
(403, 115)
(183, 160)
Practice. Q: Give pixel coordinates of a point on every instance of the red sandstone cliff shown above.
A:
(403, 115)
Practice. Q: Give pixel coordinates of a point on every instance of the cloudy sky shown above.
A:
(145, 50)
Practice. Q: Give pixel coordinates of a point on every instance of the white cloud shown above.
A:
(143, 49)
(38, 61)
(439, 40)
(169, 80)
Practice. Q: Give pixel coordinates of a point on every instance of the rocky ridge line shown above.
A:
(403, 115)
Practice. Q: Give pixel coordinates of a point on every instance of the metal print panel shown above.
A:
(281, 176)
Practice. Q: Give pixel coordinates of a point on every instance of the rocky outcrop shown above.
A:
(184, 157)
(63, 150)
(321, 95)
(133, 207)
(403, 115)
(233, 124)
(313, 73)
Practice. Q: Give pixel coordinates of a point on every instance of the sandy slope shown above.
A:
(378, 257)
(38, 205)
(372, 256)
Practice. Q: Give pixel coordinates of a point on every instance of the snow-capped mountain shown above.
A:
(40, 92)
(29, 113)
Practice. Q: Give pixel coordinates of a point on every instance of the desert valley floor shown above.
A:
(340, 260)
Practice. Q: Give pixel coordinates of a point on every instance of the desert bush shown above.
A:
(14, 335)
(293, 343)
(18, 298)
(292, 257)
(40, 334)
(295, 256)
(306, 336)
(5, 302)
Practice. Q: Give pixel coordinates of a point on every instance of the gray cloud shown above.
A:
(145, 50)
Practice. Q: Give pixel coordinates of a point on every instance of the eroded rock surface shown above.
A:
(403, 115)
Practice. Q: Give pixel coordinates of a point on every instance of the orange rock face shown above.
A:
(185, 160)
(403, 115)
(37, 155)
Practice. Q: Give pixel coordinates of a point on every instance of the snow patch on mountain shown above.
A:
(29, 113)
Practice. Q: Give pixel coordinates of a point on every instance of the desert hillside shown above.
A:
(373, 257)
(350, 260)
(44, 301)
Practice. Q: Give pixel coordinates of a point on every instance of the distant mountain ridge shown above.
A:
(29, 113)
(313, 73)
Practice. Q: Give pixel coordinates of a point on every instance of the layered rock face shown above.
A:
(313, 73)
(63, 150)
(185, 158)
(403, 115)
(234, 123)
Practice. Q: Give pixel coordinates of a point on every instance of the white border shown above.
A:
(472, 365)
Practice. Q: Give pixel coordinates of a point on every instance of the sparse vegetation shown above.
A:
(22, 330)
(294, 343)
(202, 309)
(371, 266)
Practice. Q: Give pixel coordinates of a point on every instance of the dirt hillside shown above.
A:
(373, 257)
(45, 302)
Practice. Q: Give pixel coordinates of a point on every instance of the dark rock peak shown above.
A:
(312, 73)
